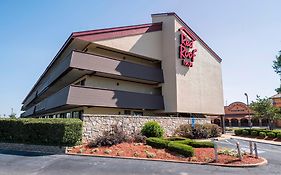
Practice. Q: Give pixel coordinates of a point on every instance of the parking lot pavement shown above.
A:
(14, 163)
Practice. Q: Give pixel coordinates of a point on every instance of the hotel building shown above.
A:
(161, 68)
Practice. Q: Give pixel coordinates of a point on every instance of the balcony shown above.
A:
(85, 96)
(76, 96)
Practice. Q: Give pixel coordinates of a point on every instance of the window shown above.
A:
(81, 83)
(138, 113)
(127, 112)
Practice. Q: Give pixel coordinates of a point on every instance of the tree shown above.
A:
(277, 68)
(12, 115)
(264, 109)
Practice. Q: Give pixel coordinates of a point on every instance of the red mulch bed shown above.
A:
(140, 150)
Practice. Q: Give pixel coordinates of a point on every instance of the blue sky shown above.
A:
(245, 34)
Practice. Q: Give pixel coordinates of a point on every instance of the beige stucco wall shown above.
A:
(168, 62)
(148, 44)
(190, 90)
(108, 83)
(199, 88)
(111, 111)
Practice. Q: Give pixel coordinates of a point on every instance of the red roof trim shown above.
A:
(192, 32)
(102, 34)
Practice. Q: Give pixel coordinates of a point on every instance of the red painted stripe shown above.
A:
(102, 34)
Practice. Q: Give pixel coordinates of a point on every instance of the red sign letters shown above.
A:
(186, 51)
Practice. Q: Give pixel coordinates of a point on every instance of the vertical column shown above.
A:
(249, 122)
(239, 122)
(229, 122)
(260, 123)
(222, 124)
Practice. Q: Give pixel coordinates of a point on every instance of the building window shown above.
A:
(81, 83)
(127, 112)
(138, 113)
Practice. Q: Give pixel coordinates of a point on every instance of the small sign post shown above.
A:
(238, 150)
(256, 150)
(251, 147)
(192, 122)
(215, 150)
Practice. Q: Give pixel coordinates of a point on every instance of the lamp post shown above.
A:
(248, 109)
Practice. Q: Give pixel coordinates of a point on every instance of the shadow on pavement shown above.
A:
(23, 153)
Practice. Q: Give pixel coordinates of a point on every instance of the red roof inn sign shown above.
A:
(186, 51)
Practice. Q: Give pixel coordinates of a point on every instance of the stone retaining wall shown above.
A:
(94, 125)
(33, 148)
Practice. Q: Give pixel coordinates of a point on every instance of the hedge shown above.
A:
(262, 134)
(278, 135)
(256, 132)
(238, 131)
(201, 144)
(157, 142)
(245, 132)
(182, 149)
(271, 134)
(56, 132)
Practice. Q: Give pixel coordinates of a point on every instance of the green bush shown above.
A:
(152, 129)
(271, 134)
(254, 133)
(238, 132)
(57, 132)
(245, 132)
(157, 142)
(278, 135)
(199, 131)
(201, 144)
(182, 149)
(186, 141)
(262, 134)
(176, 138)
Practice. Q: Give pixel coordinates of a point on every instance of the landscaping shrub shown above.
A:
(278, 135)
(254, 133)
(176, 138)
(201, 144)
(262, 134)
(157, 142)
(199, 131)
(182, 149)
(245, 132)
(186, 141)
(213, 130)
(184, 130)
(271, 134)
(111, 137)
(138, 138)
(56, 132)
(238, 131)
(152, 129)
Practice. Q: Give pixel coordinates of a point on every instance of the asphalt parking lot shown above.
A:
(14, 163)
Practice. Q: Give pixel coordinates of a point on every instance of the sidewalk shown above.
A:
(229, 136)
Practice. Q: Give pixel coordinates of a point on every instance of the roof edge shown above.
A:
(116, 29)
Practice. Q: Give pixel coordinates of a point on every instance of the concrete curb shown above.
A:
(264, 162)
(254, 140)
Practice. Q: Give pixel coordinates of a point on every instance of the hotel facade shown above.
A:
(162, 68)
